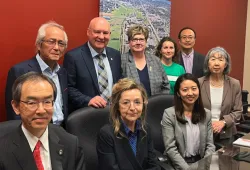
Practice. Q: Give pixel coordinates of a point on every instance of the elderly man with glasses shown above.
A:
(51, 43)
(191, 60)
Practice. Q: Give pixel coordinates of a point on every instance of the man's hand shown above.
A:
(97, 102)
(218, 126)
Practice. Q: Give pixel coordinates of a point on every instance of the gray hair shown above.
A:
(223, 53)
(42, 32)
(30, 76)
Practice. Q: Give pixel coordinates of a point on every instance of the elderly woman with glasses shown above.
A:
(221, 94)
(141, 66)
(126, 143)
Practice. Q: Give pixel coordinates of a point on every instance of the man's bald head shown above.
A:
(98, 33)
(100, 20)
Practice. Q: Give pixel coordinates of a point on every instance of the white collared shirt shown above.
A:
(44, 149)
(58, 115)
(107, 66)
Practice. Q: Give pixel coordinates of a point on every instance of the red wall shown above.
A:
(20, 21)
(217, 22)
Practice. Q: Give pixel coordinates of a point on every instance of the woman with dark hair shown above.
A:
(221, 94)
(186, 127)
(127, 143)
(167, 52)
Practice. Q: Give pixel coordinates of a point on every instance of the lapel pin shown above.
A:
(111, 58)
(60, 152)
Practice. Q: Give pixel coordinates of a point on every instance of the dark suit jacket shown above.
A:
(198, 63)
(115, 153)
(231, 106)
(16, 153)
(25, 67)
(82, 78)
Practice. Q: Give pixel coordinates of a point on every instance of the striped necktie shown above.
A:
(102, 77)
(37, 156)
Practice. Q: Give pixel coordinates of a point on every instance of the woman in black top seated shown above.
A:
(126, 144)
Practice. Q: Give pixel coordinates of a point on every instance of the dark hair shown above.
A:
(30, 76)
(198, 113)
(186, 28)
(159, 46)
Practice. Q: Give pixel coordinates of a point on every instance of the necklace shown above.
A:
(217, 84)
(188, 114)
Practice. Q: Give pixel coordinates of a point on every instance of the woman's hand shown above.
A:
(218, 126)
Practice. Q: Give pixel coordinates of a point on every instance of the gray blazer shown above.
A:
(157, 77)
(231, 106)
(175, 136)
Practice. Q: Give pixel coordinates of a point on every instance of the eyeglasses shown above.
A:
(187, 37)
(214, 59)
(52, 43)
(33, 105)
(127, 103)
(138, 40)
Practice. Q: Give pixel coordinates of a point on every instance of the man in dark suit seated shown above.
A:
(51, 43)
(37, 144)
(191, 60)
(93, 68)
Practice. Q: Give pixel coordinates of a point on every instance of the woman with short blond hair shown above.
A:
(141, 66)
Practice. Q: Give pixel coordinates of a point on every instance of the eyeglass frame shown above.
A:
(141, 40)
(187, 37)
(219, 59)
(37, 104)
(52, 43)
(135, 105)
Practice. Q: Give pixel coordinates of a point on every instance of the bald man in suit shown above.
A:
(81, 63)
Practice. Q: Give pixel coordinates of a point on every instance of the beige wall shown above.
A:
(246, 74)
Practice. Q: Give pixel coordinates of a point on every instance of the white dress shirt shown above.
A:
(44, 149)
(107, 66)
(58, 115)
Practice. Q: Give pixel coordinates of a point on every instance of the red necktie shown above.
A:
(37, 156)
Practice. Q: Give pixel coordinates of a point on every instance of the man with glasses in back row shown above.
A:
(51, 43)
(191, 60)
(93, 68)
